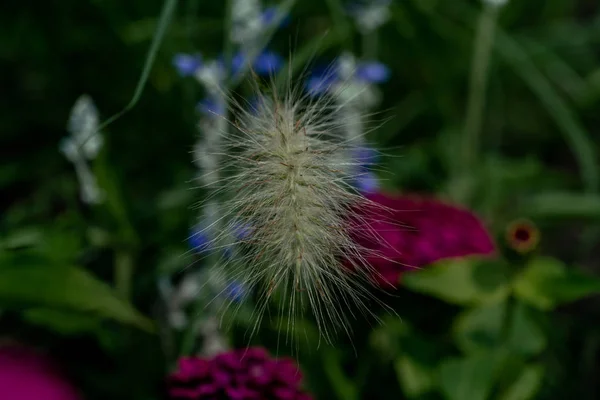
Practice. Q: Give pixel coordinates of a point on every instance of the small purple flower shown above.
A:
(199, 240)
(210, 107)
(367, 156)
(367, 182)
(323, 79)
(236, 291)
(264, 64)
(372, 72)
(187, 64)
(244, 374)
(268, 17)
(267, 63)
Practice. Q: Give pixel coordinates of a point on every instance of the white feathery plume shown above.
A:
(84, 143)
(287, 180)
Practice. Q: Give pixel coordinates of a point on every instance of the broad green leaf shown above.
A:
(546, 283)
(469, 378)
(25, 285)
(480, 328)
(414, 378)
(525, 336)
(484, 328)
(460, 281)
(63, 322)
(527, 384)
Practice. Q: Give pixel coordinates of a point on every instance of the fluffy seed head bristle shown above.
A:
(287, 182)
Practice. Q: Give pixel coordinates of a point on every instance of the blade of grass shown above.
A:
(164, 20)
(558, 109)
(484, 41)
(564, 117)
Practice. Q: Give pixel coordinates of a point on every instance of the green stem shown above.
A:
(123, 273)
(484, 39)
(370, 42)
(188, 341)
(227, 44)
(507, 321)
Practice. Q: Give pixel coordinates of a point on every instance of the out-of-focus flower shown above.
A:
(416, 231)
(366, 181)
(522, 236)
(370, 14)
(199, 240)
(345, 72)
(265, 63)
(212, 73)
(352, 84)
(27, 375)
(268, 17)
(244, 374)
(250, 22)
(210, 107)
(187, 64)
(83, 145)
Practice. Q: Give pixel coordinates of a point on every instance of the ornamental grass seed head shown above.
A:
(287, 176)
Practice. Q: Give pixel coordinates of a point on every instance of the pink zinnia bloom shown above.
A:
(245, 374)
(27, 375)
(415, 231)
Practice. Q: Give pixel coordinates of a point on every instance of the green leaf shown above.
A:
(480, 328)
(485, 328)
(470, 378)
(34, 284)
(546, 283)
(344, 388)
(527, 384)
(460, 281)
(63, 322)
(24, 237)
(525, 336)
(414, 378)
(563, 205)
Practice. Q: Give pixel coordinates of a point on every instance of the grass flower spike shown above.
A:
(288, 179)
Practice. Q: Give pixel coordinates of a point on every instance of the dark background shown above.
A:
(537, 159)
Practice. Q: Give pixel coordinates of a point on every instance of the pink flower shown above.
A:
(415, 231)
(27, 375)
(245, 374)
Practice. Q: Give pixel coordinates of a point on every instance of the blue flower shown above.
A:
(367, 182)
(323, 79)
(209, 106)
(265, 63)
(187, 64)
(236, 291)
(372, 72)
(199, 241)
(366, 156)
(268, 17)
(242, 231)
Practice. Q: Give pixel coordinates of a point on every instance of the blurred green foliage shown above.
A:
(81, 281)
